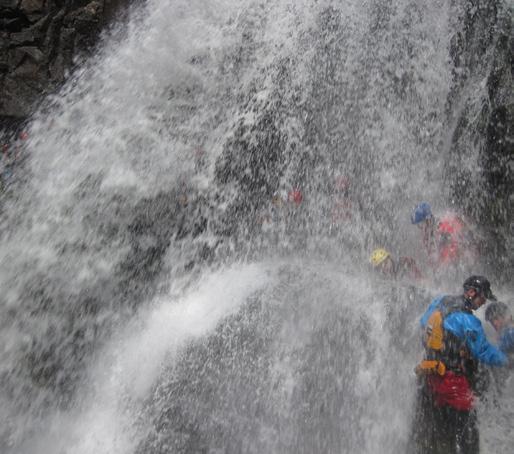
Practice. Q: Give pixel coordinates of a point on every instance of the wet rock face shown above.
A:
(38, 40)
(482, 56)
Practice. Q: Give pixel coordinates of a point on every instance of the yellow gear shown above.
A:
(434, 332)
(378, 256)
(427, 367)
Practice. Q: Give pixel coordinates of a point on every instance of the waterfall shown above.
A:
(162, 294)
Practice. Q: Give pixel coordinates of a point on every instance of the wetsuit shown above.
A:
(446, 419)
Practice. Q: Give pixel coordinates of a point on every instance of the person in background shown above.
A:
(448, 241)
(455, 342)
(404, 268)
(423, 218)
(498, 314)
(295, 196)
(341, 210)
(456, 242)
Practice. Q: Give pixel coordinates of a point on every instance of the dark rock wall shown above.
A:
(38, 41)
(482, 103)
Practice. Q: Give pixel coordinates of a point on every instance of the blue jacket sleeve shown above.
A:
(469, 328)
(507, 340)
(433, 306)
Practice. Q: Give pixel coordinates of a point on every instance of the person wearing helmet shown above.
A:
(403, 268)
(423, 218)
(454, 342)
(499, 316)
(457, 246)
(450, 236)
(448, 241)
(422, 213)
(381, 260)
(295, 196)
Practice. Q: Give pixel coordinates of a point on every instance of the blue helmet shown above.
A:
(421, 213)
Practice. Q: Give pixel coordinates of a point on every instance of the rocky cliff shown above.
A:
(482, 107)
(38, 42)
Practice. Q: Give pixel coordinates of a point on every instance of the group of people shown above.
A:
(287, 218)
(449, 243)
(455, 347)
(454, 340)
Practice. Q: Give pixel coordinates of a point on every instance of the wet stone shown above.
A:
(32, 52)
(32, 6)
(34, 17)
(12, 24)
(18, 97)
(9, 4)
(28, 70)
(89, 13)
(21, 54)
(57, 69)
(23, 37)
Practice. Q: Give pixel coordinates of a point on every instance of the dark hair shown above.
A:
(496, 310)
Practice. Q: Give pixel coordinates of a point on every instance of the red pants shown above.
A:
(451, 390)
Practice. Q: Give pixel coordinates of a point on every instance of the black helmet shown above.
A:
(481, 285)
(496, 310)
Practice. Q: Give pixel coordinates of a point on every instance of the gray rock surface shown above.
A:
(482, 54)
(38, 41)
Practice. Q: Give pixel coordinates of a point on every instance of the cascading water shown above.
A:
(155, 300)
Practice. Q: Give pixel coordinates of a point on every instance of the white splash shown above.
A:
(129, 368)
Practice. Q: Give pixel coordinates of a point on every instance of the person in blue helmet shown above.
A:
(423, 218)
(450, 241)
(498, 314)
(455, 343)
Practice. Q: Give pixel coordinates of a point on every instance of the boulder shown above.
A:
(38, 40)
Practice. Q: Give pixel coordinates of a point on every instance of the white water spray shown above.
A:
(125, 199)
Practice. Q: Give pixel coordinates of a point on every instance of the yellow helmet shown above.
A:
(378, 256)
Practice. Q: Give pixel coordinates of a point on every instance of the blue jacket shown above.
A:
(465, 326)
(507, 340)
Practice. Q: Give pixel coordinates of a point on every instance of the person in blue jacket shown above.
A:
(499, 315)
(447, 399)
(461, 322)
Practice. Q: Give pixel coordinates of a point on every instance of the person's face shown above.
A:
(477, 298)
(497, 324)
(501, 322)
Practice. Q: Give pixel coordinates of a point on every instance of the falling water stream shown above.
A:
(155, 300)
